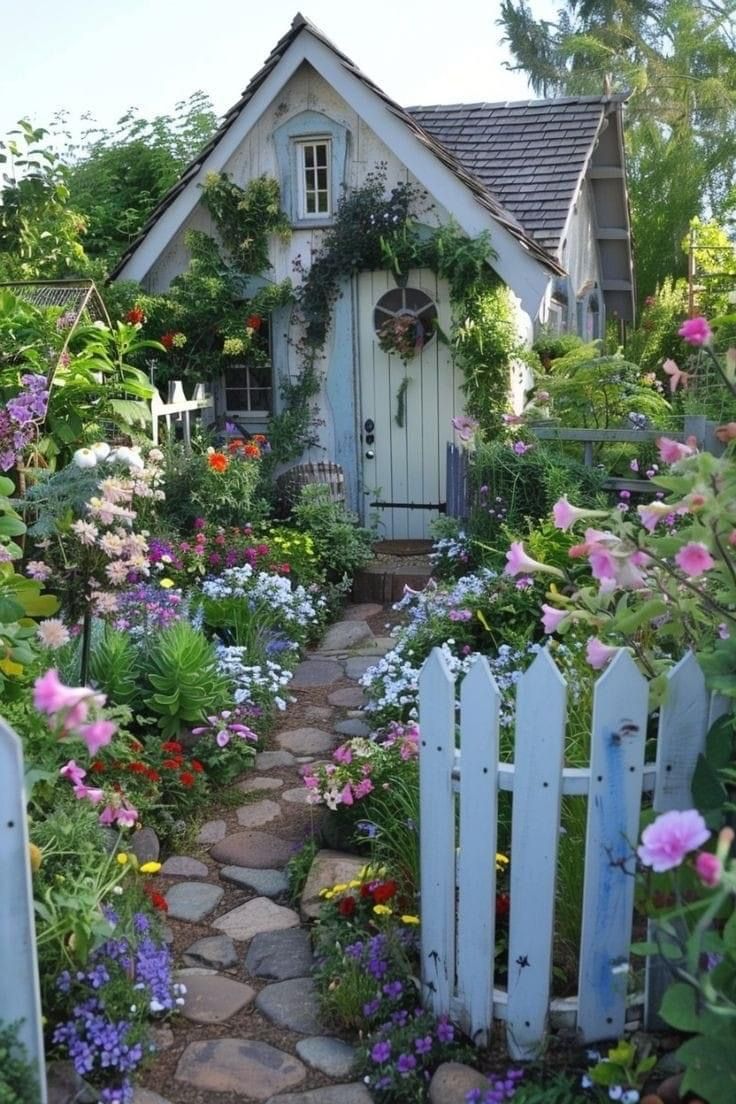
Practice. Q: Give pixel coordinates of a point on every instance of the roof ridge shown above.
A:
(616, 97)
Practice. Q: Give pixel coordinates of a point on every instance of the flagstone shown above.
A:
(212, 831)
(350, 697)
(313, 673)
(292, 1004)
(242, 1066)
(253, 848)
(256, 784)
(257, 814)
(306, 741)
(257, 915)
(333, 1057)
(192, 901)
(214, 950)
(212, 998)
(266, 883)
(280, 955)
(181, 866)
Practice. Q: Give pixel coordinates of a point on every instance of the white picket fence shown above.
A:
(20, 999)
(179, 408)
(458, 868)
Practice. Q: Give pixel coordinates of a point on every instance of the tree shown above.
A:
(40, 232)
(118, 176)
(677, 60)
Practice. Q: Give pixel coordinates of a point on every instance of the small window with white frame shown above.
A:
(249, 382)
(314, 168)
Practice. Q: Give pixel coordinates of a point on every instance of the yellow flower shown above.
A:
(410, 920)
(122, 857)
(354, 884)
(166, 583)
(340, 888)
(382, 910)
(36, 856)
(150, 868)
(501, 861)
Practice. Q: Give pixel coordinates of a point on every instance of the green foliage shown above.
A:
(245, 218)
(559, 1088)
(623, 1065)
(485, 341)
(342, 547)
(194, 489)
(18, 1081)
(39, 230)
(117, 177)
(184, 679)
(599, 392)
(298, 867)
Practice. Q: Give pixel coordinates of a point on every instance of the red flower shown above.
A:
(283, 569)
(153, 776)
(503, 904)
(186, 778)
(218, 461)
(135, 316)
(171, 764)
(365, 890)
(254, 322)
(252, 451)
(172, 745)
(157, 899)
(97, 767)
(167, 339)
(196, 766)
(346, 906)
(137, 746)
(384, 892)
(138, 768)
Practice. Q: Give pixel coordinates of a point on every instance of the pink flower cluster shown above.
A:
(69, 707)
(673, 835)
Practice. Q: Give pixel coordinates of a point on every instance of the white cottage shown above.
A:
(546, 179)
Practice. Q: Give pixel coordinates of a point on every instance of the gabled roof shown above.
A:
(480, 191)
(531, 155)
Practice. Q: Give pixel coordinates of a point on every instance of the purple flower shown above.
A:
(423, 1045)
(370, 1009)
(406, 1063)
(393, 989)
(520, 448)
(381, 1051)
(445, 1031)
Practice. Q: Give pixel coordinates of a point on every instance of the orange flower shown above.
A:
(252, 451)
(218, 461)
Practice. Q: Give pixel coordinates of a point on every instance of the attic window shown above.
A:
(314, 167)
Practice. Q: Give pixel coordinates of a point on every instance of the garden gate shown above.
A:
(20, 999)
(458, 847)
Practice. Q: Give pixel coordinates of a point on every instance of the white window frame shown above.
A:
(302, 185)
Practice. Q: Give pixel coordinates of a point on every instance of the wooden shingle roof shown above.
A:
(530, 155)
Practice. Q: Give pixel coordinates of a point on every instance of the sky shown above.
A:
(108, 56)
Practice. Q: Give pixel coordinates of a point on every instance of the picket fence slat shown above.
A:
(437, 865)
(20, 997)
(683, 723)
(535, 825)
(620, 710)
(480, 702)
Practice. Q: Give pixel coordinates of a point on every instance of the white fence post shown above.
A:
(437, 830)
(620, 711)
(476, 927)
(178, 406)
(535, 829)
(20, 997)
(683, 724)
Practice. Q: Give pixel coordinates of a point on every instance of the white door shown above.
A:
(410, 401)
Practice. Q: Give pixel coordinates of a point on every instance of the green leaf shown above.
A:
(710, 1068)
(130, 412)
(627, 624)
(10, 610)
(11, 526)
(679, 1008)
(719, 742)
(644, 948)
(729, 935)
(6, 486)
(707, 789)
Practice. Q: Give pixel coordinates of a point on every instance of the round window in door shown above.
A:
(405, 320)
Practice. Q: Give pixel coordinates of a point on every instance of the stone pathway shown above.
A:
(251, 1028)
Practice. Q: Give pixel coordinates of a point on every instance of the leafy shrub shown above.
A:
(341, 545)
(183, 675)
(225, 493)
(18, 1083)
(508, 488)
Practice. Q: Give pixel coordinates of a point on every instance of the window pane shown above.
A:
(260, 398)
(310, 203)
(322, 179)
(322, 154)
(322, 206)
(309, 156)
(237, 398)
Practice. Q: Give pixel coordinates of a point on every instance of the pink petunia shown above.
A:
(82, 792)
(709, 869)
(564, 514)
(671, 452)
(127, 816)
(73, 773)
(465, 427)
(222, 739)
(346, 795)
(666, 842)
(97, 734)
(343, 754)
(517, 562)
(599, 654)
(552, 618)
(602, 563)
(695, 331)
(652, 513)
(694, 558)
